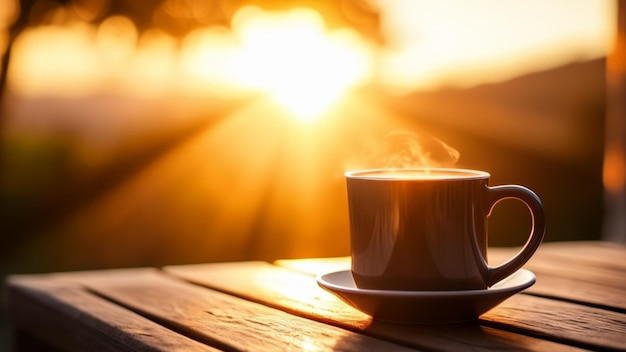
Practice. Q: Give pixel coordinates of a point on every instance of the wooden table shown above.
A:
(578, 302)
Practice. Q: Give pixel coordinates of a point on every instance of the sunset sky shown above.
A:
(270, 171)
(467, 42)
(429, 44)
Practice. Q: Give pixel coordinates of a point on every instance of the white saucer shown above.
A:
(424, 307)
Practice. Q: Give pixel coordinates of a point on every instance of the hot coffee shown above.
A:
(425, 229)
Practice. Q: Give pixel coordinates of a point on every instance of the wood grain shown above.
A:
(222, 320)
(577, 302)
(65, 316)
(587, 299)
(298, 294)
(568, 289)
(595, 252)
(555, 320)
(600, 259)
(582, 272)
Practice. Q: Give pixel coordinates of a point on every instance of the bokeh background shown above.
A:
(187, 131)
(182, 131)
(191, 131)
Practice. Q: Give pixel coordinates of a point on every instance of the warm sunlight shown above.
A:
(294, 58)
(69, 67)
(306, 67)
(227, 137)
(289, 55)
(464, 43)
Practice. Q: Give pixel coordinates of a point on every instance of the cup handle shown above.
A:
(532, 201)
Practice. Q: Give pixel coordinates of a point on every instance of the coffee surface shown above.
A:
(418, 174)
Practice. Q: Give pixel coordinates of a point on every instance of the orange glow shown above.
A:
(464, 43)
(288, 55)
(266, 187)
(206, 62)
(155, 61)
(316, 266)
(614, 172)
(257, 183)
(68, 68)
(292, 57)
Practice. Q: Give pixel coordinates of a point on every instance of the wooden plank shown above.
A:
(221, 320)
(579, 291)
(315, 266)
(299, 294)
(597, 262)
(588, 327)
(564, 272)
(572, 271)
(66, 316)
(610, 256)
(602, 277)
(598, 252)
(586, 272)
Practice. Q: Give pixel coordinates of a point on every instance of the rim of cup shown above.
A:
(417, 173)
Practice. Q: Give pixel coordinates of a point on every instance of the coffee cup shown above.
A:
(426, 229)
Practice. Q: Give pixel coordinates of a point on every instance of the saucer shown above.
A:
(424, 307)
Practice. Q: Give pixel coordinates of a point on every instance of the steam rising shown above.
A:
(403, 149)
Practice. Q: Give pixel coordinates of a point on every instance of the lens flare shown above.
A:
(297, 61)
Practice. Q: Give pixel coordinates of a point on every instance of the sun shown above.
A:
(292, 57)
